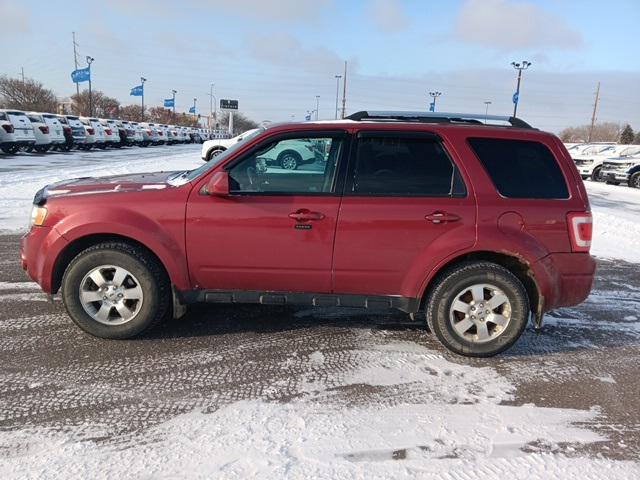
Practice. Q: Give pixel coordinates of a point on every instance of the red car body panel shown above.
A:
(363, 245)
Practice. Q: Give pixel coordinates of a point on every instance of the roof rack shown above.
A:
(440, 117)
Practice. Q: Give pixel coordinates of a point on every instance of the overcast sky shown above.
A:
(275, 56)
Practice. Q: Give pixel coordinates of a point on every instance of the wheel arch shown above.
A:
(213, 149)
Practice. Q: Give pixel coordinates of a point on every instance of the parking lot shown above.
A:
(263, 391)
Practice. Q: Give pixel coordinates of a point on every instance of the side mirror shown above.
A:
(218, 184)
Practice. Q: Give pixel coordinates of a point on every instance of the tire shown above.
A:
(42, 149)
(9, 149)
(611, 182)
(145, 279)
(488, 278)
(214, 153)
(595, 175)
(289, 160)
(634, 180)
(27, 149)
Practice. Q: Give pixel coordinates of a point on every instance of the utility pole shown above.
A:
(75, 61)
(22, 73)
(486, 110)
(212, 104)
(317, 105)
(516, 96)
(593, 115)
(338, 77)
(434, 95)
(194, 106)
(142, 80)
(174, 101)
(344, 90)
(89, 62)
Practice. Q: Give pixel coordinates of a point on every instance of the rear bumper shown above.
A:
(39, 249)
(18, 143)
(565, 279)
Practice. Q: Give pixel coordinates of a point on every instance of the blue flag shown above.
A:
(515, 97)
(137, 91)
(192, 110)
(169, 102)
(81, 75)
(432, 107)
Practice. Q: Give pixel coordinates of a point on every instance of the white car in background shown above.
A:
(78, 132)
(21, 135)
(138, 134)
(214, 147)
(99, 137)
(56, 132)
(111, 135)
(152, 133)
(589, 162)
(41, 131)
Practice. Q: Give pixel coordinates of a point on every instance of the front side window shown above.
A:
(290, 166)
(404, 166)
(520, 168)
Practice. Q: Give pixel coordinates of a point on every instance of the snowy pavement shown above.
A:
(272, 392)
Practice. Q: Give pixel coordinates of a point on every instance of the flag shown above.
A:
(137, 91)
(515, 98)
(432, 106)
(169, 102)
(81, 75)
(192, 110)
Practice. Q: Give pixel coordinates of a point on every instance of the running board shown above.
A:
(378, 302)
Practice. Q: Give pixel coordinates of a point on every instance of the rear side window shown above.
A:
(521, 169)
(404, 166)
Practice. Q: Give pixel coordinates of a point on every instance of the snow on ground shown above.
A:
(463, 431)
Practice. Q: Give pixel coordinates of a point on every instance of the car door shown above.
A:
(405, 209)
(275, 230)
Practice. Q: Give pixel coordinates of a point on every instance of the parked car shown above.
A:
(139, 137)
(478, 227)
(212, 148)
(56, 131)
(43, 137)
(115, 127)
(154, 134)
(624, 169)
(17, 133)
(589, 163)
(98, 135)
(74, 132)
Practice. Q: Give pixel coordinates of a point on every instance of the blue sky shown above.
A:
(275, 56)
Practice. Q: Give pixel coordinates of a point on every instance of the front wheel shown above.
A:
(596, 176)
(115, 290)
(214, 153)
(478, 309)
(634, 180)
(289, 160)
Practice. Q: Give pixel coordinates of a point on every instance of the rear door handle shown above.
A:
(441, 217)
(305, 215)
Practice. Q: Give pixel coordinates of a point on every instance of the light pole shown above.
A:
(212, 108)
(338, 77)
(434, 95)
(486, 110)
(142, 80)
(317, 105)
(174, 101)
(194, 106)
(89, 62)
(516, 96)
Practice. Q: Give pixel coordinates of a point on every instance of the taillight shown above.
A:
(148, 132)
(8, 128)
(44, 129)
(107, 131)
(580, 230)
(66, 129)
(90, 131)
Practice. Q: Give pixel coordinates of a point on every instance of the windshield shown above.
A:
(193, 174)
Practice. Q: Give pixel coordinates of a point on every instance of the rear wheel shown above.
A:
(214, 153)
(289, 160)
(477, 309)
(115, 290)
(634, 180)
(596, 176)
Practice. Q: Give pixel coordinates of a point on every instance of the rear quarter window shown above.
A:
(521, 168)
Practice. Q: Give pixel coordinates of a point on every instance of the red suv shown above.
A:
(480, 226)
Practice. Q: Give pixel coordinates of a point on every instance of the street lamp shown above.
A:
(174, 101)
(194, 106)
(89, 62)
(338, 77)
(434, 95)
(486, 110)
(516, 96)
(212, 107)
(142, 80)
(317, 105)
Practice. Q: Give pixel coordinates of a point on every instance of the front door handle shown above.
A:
(439, 217)
(304, 215)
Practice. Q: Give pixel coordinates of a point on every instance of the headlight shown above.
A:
(38, 214)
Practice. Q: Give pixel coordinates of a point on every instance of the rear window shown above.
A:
(521, 169)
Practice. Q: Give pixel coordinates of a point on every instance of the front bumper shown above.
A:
(39, 249)
(614, 175)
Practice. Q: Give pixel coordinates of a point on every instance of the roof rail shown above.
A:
(440, 117)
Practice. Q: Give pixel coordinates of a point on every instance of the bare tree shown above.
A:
(132, 113)
(29, 95)
(164, 116)
(241, 123)
(103, 106)
(602, 132)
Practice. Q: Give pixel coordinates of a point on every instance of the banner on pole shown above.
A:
(81, 75)
(137, 91)
(169, 103)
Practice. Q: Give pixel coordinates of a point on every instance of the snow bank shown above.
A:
(462, 431)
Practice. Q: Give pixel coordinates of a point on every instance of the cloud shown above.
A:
(388, 15)
(13, 18)
(508, 25)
